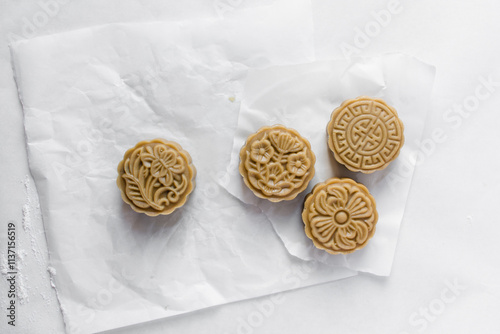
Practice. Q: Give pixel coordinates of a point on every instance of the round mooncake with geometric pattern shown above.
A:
(365, 134)
(339, 216)
(277, 163)
(156, 177)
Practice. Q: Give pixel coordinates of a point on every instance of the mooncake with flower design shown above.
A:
(340, 216)
(156, 177)
(277, 163)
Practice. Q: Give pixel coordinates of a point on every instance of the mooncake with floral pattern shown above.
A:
(277, 163)
(156, 177)
(340, 216)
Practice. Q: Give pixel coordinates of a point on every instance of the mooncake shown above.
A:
(277, 163)
(365, 134)
(156, 177)
(340, 216)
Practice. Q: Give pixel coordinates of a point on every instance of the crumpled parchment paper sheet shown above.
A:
(303, 97)
(88, 96)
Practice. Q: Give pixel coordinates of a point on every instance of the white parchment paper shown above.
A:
(303, 97)
(91, 94)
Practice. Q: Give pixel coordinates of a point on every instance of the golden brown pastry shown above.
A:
(339, 216)
(365, 134)
(156, 177)
(277, 163)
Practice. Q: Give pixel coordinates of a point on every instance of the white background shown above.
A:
(450, 232)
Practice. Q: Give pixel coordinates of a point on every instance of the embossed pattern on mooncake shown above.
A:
(365, 134)
(339, 216)
(155, 177)
(277, 163)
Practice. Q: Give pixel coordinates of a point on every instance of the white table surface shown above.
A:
(445, 277)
